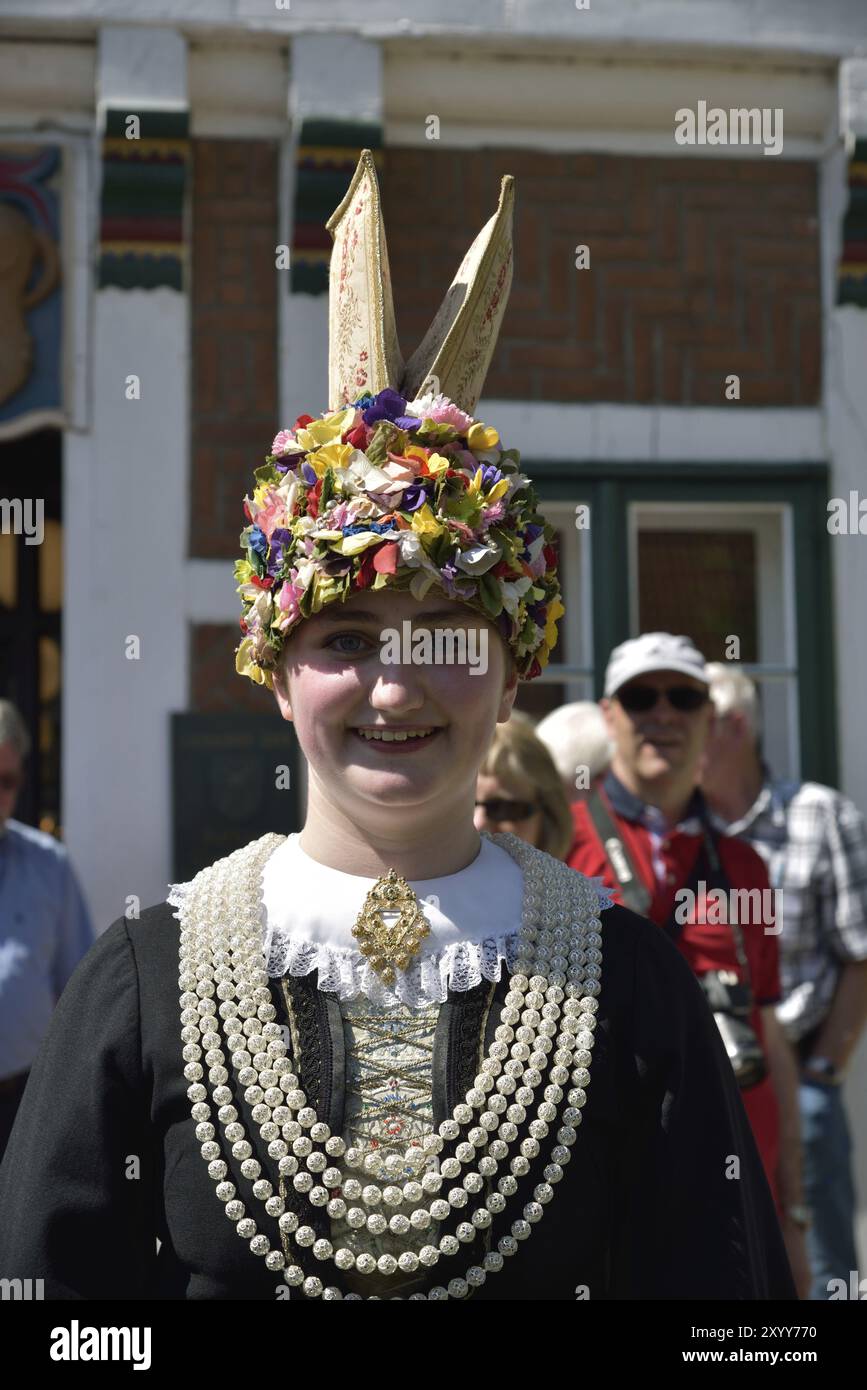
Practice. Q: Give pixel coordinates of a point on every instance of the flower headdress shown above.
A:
(393, 488)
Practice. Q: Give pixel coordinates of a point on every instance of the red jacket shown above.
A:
(705, 945)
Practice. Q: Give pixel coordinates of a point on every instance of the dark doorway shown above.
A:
(31, 601)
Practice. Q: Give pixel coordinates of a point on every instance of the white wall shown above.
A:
(125, 537)
(845, 415)
(836, 26)
(125, 506)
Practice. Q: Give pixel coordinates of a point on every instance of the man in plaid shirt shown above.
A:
(814, 843)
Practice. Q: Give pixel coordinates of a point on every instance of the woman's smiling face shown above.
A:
(333, 682)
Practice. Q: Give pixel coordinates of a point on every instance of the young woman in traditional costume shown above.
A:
(388, 1057)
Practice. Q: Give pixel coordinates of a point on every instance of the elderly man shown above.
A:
(814, 843)
(645, 829)
(44, 926)
(577, 739)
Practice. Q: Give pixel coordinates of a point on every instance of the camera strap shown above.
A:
(716, 877)
(632, 888)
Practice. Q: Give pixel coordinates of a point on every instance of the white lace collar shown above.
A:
(309, 909)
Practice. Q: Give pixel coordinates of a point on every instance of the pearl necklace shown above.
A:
(546, 1033)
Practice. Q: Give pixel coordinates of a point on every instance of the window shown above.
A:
(723, 575)
(30, 621)
(569, 673)
(714, 550)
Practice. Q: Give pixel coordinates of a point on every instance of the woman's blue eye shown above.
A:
(346, 637)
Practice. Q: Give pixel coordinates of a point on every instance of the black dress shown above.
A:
(103, 1156)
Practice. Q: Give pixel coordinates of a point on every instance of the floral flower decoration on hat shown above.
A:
(409, 495)
(399, 485)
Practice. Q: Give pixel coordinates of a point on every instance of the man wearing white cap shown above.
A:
(646, 831)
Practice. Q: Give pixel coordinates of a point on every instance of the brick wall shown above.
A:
(234, 379)
(234, 333)
(699, 269)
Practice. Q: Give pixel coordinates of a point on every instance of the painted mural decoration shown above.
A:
(31, 299)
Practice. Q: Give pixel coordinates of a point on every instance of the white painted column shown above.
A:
(333, 77)
(845, 404)
(125, 515)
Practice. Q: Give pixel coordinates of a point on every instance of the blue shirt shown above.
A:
(45, 930)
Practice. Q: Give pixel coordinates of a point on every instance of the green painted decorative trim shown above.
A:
(625, 470)
(162, 124)
(144, 181)
(325, 161)
(852, 289)
(132, 272)
(307, 278)
(322, 131)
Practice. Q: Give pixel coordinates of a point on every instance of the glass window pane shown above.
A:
(8, 570)
(718, 571)
(575, 635)
(49, 735)
(537, 700)
(51, 568)
(702, 583)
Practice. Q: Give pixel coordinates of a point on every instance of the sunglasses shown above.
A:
(638, 699)
(10, 781)
(499, 809)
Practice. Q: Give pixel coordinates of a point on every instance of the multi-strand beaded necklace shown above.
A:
(544, 1039)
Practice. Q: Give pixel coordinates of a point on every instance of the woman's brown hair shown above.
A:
(522, 763)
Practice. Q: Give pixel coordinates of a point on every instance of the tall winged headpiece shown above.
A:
(398, 485)
(456, 351)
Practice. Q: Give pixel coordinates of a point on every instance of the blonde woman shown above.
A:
(519, 790)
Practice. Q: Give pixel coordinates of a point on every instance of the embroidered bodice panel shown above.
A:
(388, 1075)
(388, 1104)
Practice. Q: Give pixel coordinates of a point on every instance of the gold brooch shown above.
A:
(385, 944)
